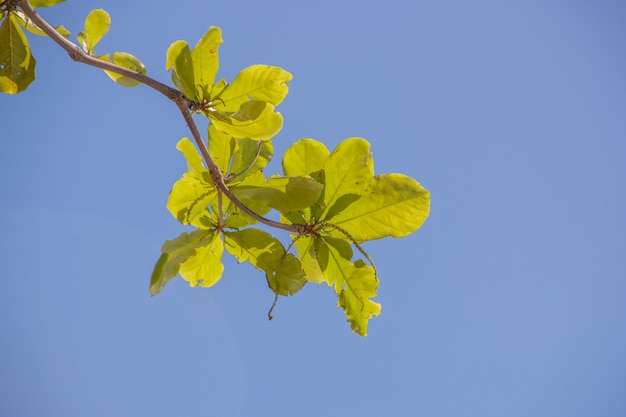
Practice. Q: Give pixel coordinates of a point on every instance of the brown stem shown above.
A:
(183, 103)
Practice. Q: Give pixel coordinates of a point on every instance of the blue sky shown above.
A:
(510, 301)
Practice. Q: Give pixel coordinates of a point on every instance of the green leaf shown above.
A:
(97, 25)
(125, 60)
(193, 158)
(238, 158)
(180, 62)
(255, 120)
(250, 156)
(190, 197)
(206, 62)
(17, 65)
(27, 24)
(348, 170)
(44, 3)
(257, 82)
(392, 205)
(355, 300)
(282, 270)
(354, 283)
(307, 254)
(204, 267)
(284, 194)
(175, 252)
(221, 147)
(305, 157)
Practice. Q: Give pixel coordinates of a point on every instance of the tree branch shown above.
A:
(183, 103)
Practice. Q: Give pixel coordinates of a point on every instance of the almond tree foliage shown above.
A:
(329, 202)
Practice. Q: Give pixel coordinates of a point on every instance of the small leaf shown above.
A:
(282, 270)
(392, 205)
(180, 62)
(97, 25)
(17, 65)
(205, 266)
(44, 3)
(129, 61)
(206, 62)
(175, 252)
(258, 82)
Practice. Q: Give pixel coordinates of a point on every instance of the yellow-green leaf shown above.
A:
(355, 298)
(307, 255)
(255, 120)
(257, 82)
(175, 252)
(190, 197)
(193, 158)
(125, 60)
(391, 205)
(348, 170)
(180, 62)
(27, 24)
(44, 3)
(250, 156)
(282, 270)
(17, 65)
(221, 147)
(354, 283)
(204, 267)
(305, 157)
(97, 25)
(205, 61)
(284, 194)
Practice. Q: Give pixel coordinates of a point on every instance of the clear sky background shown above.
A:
(509, 301)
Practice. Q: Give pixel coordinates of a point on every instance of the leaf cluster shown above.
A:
(331, 202)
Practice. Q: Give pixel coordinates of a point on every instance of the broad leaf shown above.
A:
(305, 157)
(284, 194)
(354, 283)
(205, 266)
(44, 3)
(175, 252)
(254, 119)
(348, 170)
(221, 147)
(392, 205)
(97, 25)
(190, 197)
(282, 270)
(205, 61)
(125, 60)
(355, 298)
(307, 254)
(17, 65)
(257, 82)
